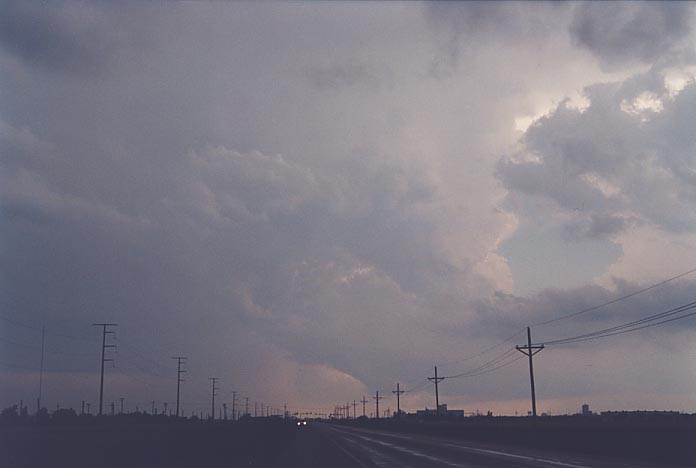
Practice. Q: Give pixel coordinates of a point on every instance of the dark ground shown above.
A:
(272, 442)
(666, 438)
(109, 444)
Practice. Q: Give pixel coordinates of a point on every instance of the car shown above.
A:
(302, 423)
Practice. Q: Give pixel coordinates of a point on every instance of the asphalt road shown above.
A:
(347, 447)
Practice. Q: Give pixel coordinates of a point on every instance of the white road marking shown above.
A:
(376, 457)
(463, 447)
(414, 453)
(514, 455)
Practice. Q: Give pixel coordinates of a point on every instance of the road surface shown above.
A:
(348, 447)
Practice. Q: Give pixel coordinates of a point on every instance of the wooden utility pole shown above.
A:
(398, 392)
(437, 380)
(377, 398)
(530, 350)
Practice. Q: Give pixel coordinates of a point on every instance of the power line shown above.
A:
(493, 369)
(618, 299)
(425, 382)
(485, 350)
(484, 366)
(645, 322)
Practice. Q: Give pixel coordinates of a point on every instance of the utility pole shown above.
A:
(38, 400)
(285, 411)
(215, 389)
(246, 411)
(348, 410)
(363, 401)
(179, 360)
(234, 406)
(354, 405)
(165, 408)
(398, 392)
(83, 407)
(437, 380)
(530, 351)
(105, 331)
(224, 407)
(112, 409)
(122, 404)
(377, 398)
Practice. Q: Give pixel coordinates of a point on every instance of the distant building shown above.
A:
(443, 412)
(586, 410)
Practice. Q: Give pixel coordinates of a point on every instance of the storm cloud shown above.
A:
(298, 198)
(626, 32)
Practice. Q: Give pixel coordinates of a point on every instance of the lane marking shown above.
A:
(414, 453)
(376, 458)
(347, 453)
(473, 449)
(513, 455)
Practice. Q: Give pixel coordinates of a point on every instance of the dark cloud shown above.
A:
(621, 32)
(347, 74)
(464, 26)
(498, 21)
(65, 36)
(274, 193)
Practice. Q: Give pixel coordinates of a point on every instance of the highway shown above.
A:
(348, 447)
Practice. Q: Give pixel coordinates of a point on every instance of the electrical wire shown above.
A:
(484, 351)
(614, 301)
(487, 371)
(484, 366)
(645, 322)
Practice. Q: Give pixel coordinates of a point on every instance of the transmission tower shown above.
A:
(214, 390)
(105, 331)
(180, 360)
(234, 406)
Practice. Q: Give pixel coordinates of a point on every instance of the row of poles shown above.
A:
(107, 329)
(529, 350)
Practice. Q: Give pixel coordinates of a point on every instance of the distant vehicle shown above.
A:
(301, 423)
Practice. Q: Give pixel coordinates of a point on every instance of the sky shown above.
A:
(315, 201)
